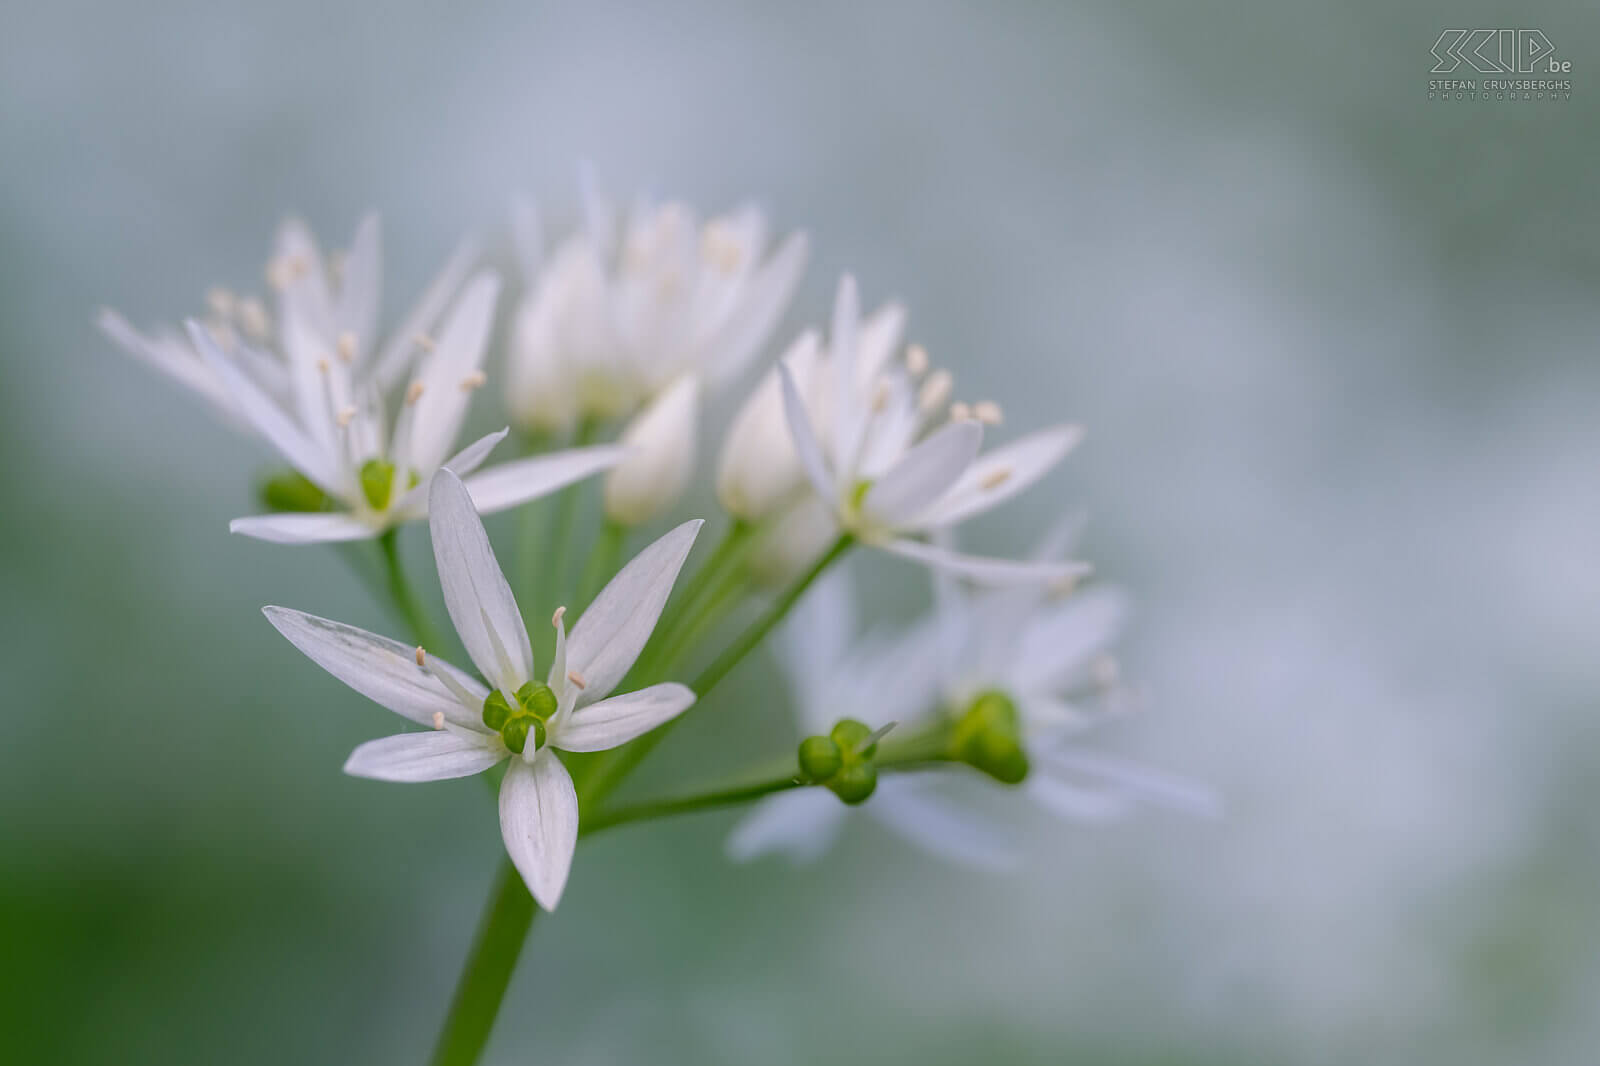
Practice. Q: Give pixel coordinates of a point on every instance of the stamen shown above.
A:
(1064, 587)
(555, 619)
(423, 341)
(988, 412)
(413, 393)
(285, 270)
(422, 657)
(935, 392)
(577, 679)
(880, 396)
(221, 301)
(253, 317)
(720, 247)
(916, 359)
(345, 416)
(438, 719)
(960, 412)
(474, 380)
(322, 366)
(346, 346)
(995, 478)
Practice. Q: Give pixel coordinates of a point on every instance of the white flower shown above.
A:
(334, 430)
(660, 456)
(611, 320)
(860, 435)
(330, 303)
(568, 710)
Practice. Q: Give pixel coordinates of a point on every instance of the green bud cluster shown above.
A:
(535, 703)
(988, 737)
(377, 482)
(292, 491)
(842, 761)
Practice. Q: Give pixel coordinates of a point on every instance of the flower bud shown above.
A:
(661, 444)
(292, 491)
(758, 469)
(988, 737)
(820, 759)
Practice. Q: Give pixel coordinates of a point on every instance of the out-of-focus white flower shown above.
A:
(333, 428)
(794, 540)
(870, 443)
(474, 726)
(611, 319)
(328, 305)
(660, 447)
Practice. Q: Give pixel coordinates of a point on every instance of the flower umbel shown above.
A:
(517, 716)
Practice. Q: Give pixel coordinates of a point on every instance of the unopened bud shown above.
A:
(820, 759)
(661, 445)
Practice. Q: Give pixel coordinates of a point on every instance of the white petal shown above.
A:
(923, 474)
(801, 824)
(805, 437)
(1061, 640)
(262, 412)
(616, 626)
(436, 755)
(660, 443)
(458, 352)
(1075, 802)
(818, 634)
(849, 416)
(876, 342)
(1002, 474)
(761, 306)
(361, 285)
(170, 356)
(914, 810)
(617, 720)
(319, 528)
(476, 594)
(983, 570)
(401, 348)
(383, 670)
(539, 823)
(509, 484)
(415, 501)
(1135, 782)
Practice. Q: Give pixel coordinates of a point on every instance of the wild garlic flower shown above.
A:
(612, 319)
(894, 463)
(324, 304)
(473, 726)
(368, 476)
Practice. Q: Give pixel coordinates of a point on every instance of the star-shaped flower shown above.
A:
(878, 452)
(475, 726)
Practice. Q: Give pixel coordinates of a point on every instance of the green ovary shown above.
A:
(533, 705)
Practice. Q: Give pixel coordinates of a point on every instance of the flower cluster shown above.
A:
(620, 338)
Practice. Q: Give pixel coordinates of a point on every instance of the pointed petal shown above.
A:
(303, 528)
(383, 670)
(923, 474)
(356, 310)
(617, 720)
(436, 755)
(616, 626)
(1135, 782)
(817, 636)
(942, 828)
(509, 484)
(1002, 474)
(761, 306)
(262, 412)
(415, 501)
(849, 417)
(1061, 640)
(800, 824)
(397, 354)
(539, 823)
(458, 352)
(168, 355)
(476, 594)
(983, 570)
(805, 438)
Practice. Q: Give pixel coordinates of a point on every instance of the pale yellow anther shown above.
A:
(438, 719)
(917, 359)
(422, 656)
(1064, 586)
(346, 346)
(413, 392)
(880, 396)
(473, 380)
(988, 412)
(221, 301)
(935, 391)
(322, 366)
(555, 619)
(253, 317)
(995, 478)
(576, 678)
(960, 412)
(345, 416)
(423, 341)
(720, 248)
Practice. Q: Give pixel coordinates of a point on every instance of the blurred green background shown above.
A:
(1336, 347)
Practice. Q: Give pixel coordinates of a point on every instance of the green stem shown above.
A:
(487, 973)
(602, 562)
(702, 801)
(621, 761)
(566, 521)
(400, 591)
(688, 631)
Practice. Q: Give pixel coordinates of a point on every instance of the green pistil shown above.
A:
(377, 482)
(535, 703)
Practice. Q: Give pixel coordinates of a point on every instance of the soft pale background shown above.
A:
(1337, 349)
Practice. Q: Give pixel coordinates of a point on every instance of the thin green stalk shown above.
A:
(566, 522)
(703, 801)
(400, 591)
(487, 973)
(603, 555)
(621, 761)
(687, 632)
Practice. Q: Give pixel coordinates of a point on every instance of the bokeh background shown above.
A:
(1336, 347)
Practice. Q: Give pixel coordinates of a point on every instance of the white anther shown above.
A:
(719, 246)
(988, 412)
(960, 412)
(346, 346)
(916, 359)
(322, 366)
(345, 416)
(438, 719)
(995, 478)
(555, 619)
(473, 380)
(422, 656)
(935, 392)
(413, 392)
(576, 678)
(221, 301)
(253, 317)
